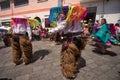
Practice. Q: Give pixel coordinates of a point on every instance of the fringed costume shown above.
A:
(71, 55)
(69, 24)
(21, 41)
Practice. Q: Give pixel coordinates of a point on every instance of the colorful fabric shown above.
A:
(65, 11)
(60, 26)
(54, 13)
(95, 28)
(73, 15)
(19, 25)
(33, 23)
(77, 13)
(69, 12)
(22, 21)
(114, 41)
(112, 29)
(103, 34)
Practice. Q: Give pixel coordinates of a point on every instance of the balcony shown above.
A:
(86, 1)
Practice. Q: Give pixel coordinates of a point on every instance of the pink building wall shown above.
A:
(32, 7)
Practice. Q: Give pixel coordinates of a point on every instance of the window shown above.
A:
(42, 0)
(5, 4)
(20, 2)
(7, 23)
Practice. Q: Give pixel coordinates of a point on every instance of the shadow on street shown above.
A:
(40, 54)
(82, 64)
(2, 47)
(110, 53)
(97, 51)
(5, 79)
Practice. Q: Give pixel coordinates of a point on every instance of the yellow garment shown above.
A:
(69, 12)
(33, 23)
(9, 31)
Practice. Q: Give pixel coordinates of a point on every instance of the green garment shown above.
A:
(103, 33)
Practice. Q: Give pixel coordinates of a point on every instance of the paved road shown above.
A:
(46, 65)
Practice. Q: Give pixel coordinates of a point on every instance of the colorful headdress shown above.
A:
(22, 21)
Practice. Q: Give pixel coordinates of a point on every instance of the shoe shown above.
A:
(26, 63)
(18, 63)
(14, 64)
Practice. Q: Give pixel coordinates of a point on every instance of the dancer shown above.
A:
(102, 36)
(21, 41)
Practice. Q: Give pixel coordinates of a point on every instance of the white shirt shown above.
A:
(73, 27)
(19, 29)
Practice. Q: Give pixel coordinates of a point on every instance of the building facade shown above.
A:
(28, 9)
(97, 9)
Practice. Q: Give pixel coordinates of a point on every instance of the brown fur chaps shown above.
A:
(21, 44)
(70, 56)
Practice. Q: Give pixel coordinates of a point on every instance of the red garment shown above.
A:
(112, 29)
(43, 35)
(41, 28)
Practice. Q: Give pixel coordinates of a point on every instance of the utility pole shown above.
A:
(60, 2)
(12, 7)
(103, 10)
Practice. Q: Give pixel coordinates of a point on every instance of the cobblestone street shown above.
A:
(46, 64)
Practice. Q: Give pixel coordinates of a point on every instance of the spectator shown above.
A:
(95, 27)
(90, 24)
(117, 27)
(86, 31)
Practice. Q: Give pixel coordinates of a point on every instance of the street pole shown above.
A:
(12, 5)
(103, 9)
(60, 2)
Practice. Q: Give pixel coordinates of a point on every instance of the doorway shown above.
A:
(91, 14)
